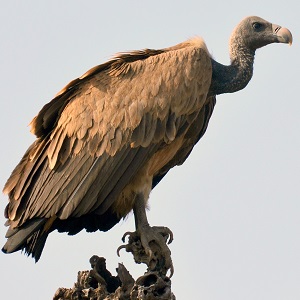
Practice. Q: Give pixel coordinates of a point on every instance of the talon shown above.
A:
(120, 248)
(171, 237)
(166, 233)
(171, 270)
(150, 253)
(126, 234)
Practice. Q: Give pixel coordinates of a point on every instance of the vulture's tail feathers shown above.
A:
(31, 238)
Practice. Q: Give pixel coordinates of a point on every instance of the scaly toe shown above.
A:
(149, 245)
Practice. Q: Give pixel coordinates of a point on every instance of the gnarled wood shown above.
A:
(99, 284)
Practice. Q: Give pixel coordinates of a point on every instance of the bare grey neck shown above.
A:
(232, 78)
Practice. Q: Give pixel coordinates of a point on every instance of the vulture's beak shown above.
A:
(283, 34)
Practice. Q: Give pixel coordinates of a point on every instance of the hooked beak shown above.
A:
(283, 35)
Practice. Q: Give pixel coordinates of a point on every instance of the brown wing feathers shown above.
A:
(96, 135)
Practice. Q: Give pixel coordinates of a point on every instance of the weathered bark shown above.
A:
(99, 284)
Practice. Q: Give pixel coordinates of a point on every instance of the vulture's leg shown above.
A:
(149, 244)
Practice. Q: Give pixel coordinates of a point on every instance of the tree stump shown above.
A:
(99, 284)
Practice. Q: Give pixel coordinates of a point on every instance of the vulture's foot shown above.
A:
(149, 245)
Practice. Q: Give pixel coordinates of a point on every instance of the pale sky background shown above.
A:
(234, 205)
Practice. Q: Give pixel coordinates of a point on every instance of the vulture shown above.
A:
(110, 136)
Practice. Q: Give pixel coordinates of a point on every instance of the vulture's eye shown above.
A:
(257, 26)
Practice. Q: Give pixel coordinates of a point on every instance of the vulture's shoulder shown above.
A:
(125, 65)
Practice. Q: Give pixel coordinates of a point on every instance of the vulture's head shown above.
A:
(250, 34)
(254, 32)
